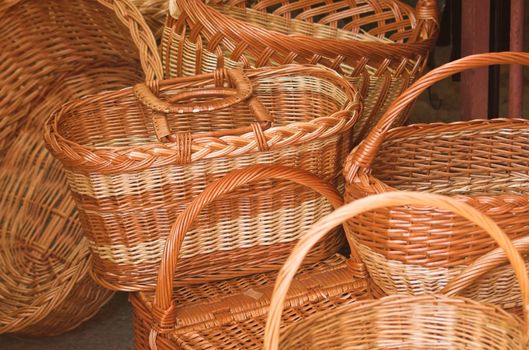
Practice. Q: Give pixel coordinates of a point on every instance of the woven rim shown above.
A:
(384, 200)
(214, 21)
(164, 308)
(158, 154)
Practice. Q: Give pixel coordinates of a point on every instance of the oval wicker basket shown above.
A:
(482, 163)
(431, 321)
(231, 314)
(53, 51)
(380, 46)
(129, 186)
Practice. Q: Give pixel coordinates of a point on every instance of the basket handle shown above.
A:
(362, 158)
(482, 265)
(241, 91)
(164, 310)
(388, 199)
(427, 14)
(141, 35)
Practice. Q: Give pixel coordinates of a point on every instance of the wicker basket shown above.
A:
(433, 321)
(53, 51)
(129, 186)
(380, 46)
(231, 314)
(482, 163)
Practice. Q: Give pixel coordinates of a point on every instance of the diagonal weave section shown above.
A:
(379, 46)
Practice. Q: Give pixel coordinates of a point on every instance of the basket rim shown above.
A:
(421, 129)
(327, 46)
(158, 154)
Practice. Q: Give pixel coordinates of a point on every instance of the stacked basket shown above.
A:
(196, 170)
(380, 46)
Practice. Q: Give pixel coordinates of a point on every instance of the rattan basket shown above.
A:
(231, 314)
(482, 163)
(433, 321)
(380, 46)
(53, 51)
(129, 186)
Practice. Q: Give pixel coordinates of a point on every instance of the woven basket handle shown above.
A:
(141, 35)
(427, 14)
(482, 265)
(242, 90)
(363, 157)
(163, 307)
(388, 199)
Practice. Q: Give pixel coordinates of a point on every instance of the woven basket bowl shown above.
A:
(53, 51)
(432, 321)
(129, 186)
(379, 46)
(482, 163)
(231, 314)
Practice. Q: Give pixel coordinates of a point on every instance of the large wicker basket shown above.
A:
(380, 46)
(53, 51)
(129, 186)
(433, 321)
(231, 314)
(482, 163)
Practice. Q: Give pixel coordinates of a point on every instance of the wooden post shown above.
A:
(515, 71)
(475, 39)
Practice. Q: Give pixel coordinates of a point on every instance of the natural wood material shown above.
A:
(380, 46)
(432, 321)
(482, 163)
(51, 52)
(231, 314)
(130, 186)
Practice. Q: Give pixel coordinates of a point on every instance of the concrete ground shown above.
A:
(111, 328)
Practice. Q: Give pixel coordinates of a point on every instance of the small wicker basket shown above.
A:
(135, 160)
(53, 51)
(379, 46)
(401, 321)
(231, 314)
(482, 163)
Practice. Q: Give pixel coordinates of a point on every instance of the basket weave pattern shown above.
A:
(232, 314)
(380, 46)
(401, 321)
(51, 52)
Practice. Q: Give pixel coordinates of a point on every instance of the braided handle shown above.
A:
(163, 307)
(363, 157)
(141, 35)
(389, 199)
